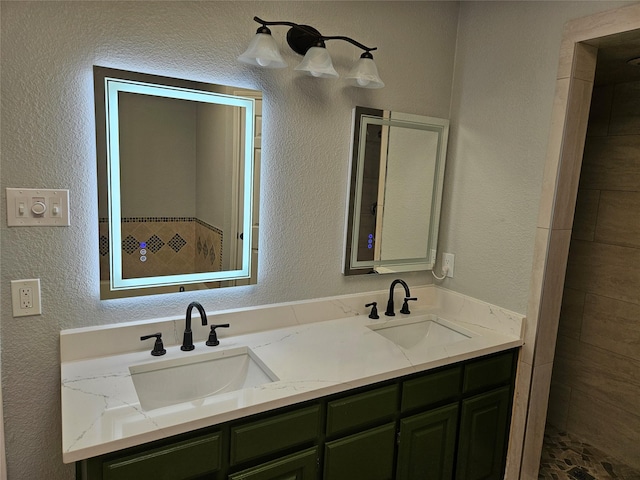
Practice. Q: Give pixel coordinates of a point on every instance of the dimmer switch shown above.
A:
(37, 207)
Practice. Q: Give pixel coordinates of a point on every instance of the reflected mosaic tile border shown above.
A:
(564, 457)
(154, 246)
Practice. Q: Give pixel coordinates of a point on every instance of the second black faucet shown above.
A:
(407, 296)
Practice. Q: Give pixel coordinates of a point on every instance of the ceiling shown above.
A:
(613, 54)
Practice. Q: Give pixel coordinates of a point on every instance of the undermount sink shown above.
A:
(421, 332)
(163, 383)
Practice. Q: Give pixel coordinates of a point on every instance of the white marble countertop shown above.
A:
(101, 412)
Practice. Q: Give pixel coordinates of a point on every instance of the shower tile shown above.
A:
(599, 373)
(600, 111)
(551, 296)
(625, 110)
(584, 64)
(518, 419)
(586, 214)
(607, 428)
(539, 395)
(612, 325)
(558, 409)
(606, 164)
(535, 295)
(571, 313)
(618, 218)
(572, 150)
(609, 270)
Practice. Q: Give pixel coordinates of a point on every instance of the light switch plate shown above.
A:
(37, 207)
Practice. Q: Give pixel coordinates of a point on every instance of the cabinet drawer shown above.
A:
(431, 389)
(366, 455)
(362, 409)
(273, 434)
(486, 373)
(178, 461)
(299, 466)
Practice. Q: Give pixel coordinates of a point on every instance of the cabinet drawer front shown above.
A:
(181, 460)
(489, 372)
(431, 389)
(367, 455)
(270, 435)
(361, 409)
(299, 466)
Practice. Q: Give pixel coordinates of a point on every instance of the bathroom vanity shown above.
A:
(337, 394)
(418, 426)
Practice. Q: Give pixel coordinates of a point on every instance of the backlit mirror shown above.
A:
(178, 176)
(395, 191)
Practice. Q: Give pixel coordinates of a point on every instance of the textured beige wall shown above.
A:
(506, 60)
(48, 50)
(595, 390)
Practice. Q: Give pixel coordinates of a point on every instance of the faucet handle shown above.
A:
(374, 310)
(405, 305)
(213, 336)
(158, 347)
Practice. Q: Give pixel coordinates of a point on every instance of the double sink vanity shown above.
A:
(314, 389)
(323, 388)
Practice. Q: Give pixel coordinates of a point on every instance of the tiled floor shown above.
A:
(567, 458)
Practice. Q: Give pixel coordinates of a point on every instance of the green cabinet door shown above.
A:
(483, 435)
(427, 445)
(299, 466)
(366, 455)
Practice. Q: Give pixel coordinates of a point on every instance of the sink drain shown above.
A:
(579, 474)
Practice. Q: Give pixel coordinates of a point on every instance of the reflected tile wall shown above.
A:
(164, 246)
(595, 391)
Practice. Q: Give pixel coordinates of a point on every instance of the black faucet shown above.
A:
(407, 297)
(187, 340)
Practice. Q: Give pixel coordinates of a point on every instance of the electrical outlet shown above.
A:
(25, 296)
(448, 263)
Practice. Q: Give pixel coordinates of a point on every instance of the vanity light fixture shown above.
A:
(305, 40)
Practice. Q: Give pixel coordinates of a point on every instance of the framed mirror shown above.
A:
(395, 191)
(178, 183)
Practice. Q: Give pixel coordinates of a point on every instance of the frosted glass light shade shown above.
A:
(263, 52)
(364, 74)
(317, 62)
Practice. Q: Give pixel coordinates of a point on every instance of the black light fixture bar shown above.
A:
(302, 37)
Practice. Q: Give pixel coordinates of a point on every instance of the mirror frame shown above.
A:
(362, 118)
(108, 84)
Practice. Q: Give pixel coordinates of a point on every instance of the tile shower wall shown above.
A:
(164, 246)
(595, 391)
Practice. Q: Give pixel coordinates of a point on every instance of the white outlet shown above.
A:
(448, 260)
(25, 297)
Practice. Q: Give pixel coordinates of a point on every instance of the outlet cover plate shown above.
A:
(17, 287)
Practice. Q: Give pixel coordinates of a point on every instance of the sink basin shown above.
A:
(422, 332)
(163, 383)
